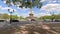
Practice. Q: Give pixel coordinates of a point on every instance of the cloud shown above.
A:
(42, 14)
(19, 8)
(24, 9)
(4, 1)
(6, 8)
(51, 7)
(24, 15)
(50, 1)
(54, 0)
(0, 6)
(42, 0)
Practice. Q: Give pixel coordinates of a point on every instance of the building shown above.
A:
(31, 17)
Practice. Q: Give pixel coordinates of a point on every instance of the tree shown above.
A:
(5, 16)
(1, 16)
(14, 17)
(57, 16)
(24, 3)
(50, 17)
(21, 18)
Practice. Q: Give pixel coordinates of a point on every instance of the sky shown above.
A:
(48, 7)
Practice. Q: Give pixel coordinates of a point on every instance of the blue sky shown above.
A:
(48, 6)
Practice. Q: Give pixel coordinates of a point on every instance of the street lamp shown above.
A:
(10, 14)
(52, 13)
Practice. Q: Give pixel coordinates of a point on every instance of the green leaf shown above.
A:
(26, 3)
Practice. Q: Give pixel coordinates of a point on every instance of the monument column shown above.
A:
(31, 15)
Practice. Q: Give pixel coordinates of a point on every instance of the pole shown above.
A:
(10, 17)
(53, 17)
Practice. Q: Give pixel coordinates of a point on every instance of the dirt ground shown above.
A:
(53, 28)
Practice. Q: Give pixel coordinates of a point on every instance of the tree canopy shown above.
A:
(24, 3)
(50, 17)
(14, 17)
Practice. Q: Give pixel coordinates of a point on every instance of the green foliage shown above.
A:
(25, 3)
(1, 16)
(46, 17)
(5, 16)
(14, 17)
(21, 17)
(57, 16)
(50, 17)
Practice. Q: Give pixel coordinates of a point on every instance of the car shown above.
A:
(2, 20)
(14, 20)
(57, 20)
(47, 20)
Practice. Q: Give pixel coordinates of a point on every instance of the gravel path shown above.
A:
(30, 28)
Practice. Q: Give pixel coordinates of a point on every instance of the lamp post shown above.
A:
(10, 15)
(52, 13)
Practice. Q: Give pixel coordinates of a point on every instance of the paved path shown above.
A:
(25, 27)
